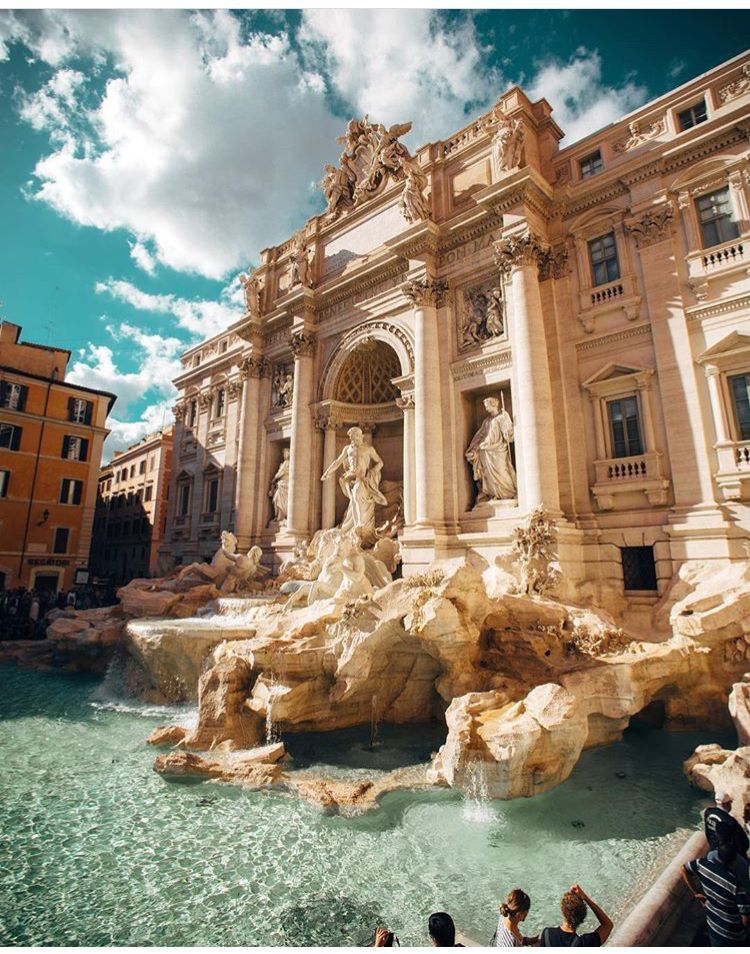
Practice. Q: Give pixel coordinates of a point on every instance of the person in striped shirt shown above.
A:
(713, 881)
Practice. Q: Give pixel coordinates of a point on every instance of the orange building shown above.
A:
(51, 437)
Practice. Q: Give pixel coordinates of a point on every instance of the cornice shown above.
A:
(614, 338)
(714, 309)
(469, 367)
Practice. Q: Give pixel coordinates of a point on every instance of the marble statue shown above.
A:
(301, 270)
(483, 316)
(360, 483)
(509, 137)
(245, 569)
(228, 569)
(413, 204)
(372, 154)
(279, 491)
(252, 287)
(354, 582)
(282, 389)
(489, 454)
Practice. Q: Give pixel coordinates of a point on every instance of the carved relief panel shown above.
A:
(282, 386)
(480, 311)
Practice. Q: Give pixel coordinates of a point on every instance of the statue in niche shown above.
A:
(252, 287)
(413, 204)
(489, 454)
(279, 491)
(360, 483)
(508, 142)
(282, 389)
(483, 316)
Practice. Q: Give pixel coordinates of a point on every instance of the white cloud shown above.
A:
(205, 143)
(401, 65)
(199, 317)
(124, 433)
(581, 102)
(143, 256)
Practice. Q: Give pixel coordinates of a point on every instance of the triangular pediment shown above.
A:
(611, 371)
(733, 342)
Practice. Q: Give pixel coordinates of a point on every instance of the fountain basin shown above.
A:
(92, 831)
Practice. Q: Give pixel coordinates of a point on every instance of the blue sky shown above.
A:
(148, 156)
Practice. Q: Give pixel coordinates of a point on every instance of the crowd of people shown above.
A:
(23, 612)
(574, 906)
(720, 880)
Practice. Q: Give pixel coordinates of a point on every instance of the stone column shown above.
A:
(518, 256)
(205, 401)
(427, 295)
(246, 486)
(328, 513)
(300, 452)
(601, 446)
(406, 403)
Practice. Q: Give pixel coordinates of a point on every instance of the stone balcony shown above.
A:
(722, 261)
(733, 476)
(619, 475)
(597, 300)
(210, 519)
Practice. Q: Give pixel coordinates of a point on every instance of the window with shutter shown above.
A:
(4, 482)
(60, 541)
(10, 436)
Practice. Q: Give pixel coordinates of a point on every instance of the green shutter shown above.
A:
(84, 448)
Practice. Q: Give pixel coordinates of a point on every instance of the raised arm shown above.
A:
(605, 921)
(334, 465)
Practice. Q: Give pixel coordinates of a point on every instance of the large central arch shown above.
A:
(396, 337)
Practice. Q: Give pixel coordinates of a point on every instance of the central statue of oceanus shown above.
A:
(360, 483)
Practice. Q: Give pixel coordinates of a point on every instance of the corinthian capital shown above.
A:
(518, 250)
(302, 343)
(426, 291)
(254, 366)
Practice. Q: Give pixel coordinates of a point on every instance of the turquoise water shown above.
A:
(96, 849)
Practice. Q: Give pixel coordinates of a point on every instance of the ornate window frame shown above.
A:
(720, 362)
(614, 476)
(619, 295)
(717, 261)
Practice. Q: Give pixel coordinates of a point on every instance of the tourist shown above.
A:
(442, 930)
(512, 912)
(574, 906)
(724, 897)
(721, 814)
(385, 938)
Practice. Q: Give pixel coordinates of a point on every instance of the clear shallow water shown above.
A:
(96, 849)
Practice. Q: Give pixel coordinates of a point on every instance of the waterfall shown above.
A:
(477, 805)
(270, 734)
(374, 741)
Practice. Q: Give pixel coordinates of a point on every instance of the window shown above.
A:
(192, 413)
(624, 427)
(638, 568)
(142, 467)
(591, 164)
(79, 411)
(71, 491)
(183, 505)
(219, 403)
(4, 481)
(149, 491)
(13, 396)
(603, 255)
(132, 470)
(10, 436)
(151, 462)
(740, 385)
(75, 448)
(212, 495)
(692, 116)
(60, 540)
(716, 218)
(196, 361)
(223, 346)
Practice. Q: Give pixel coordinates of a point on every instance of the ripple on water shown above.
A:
(104, 852)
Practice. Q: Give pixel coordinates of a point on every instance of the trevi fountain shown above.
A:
(411, 677)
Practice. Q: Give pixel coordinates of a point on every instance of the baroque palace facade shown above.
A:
(599, 293)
